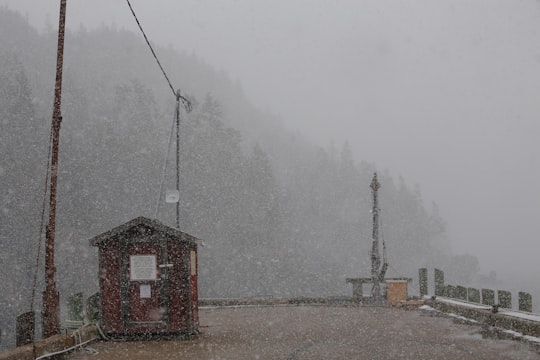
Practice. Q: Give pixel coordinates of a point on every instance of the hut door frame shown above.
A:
(145, 294)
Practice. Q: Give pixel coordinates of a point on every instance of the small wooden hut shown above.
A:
(148, 279)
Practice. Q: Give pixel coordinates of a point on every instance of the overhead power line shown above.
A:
(176, 93)
(187, 105)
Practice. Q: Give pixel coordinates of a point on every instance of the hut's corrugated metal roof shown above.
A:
(143, 221)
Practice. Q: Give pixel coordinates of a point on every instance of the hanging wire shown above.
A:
(185, 101)
(385, 260)
(42, 222)
(179, 98)
(163, 173)
(151, 49)
(399, 273)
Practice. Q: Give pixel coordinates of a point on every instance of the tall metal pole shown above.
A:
(375, 255)
(189, 316)
(178, 158)
(51, 297)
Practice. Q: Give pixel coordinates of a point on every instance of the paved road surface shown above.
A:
(320, 332)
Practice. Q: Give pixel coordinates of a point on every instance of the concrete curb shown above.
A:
(269, 301)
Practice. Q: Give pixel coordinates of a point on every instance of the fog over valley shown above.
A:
(296, 104)
(443, 93)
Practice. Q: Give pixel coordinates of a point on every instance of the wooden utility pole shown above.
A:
(51, 297)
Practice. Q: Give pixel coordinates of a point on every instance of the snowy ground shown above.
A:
(321, 332)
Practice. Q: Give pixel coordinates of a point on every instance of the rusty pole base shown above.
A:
(51, 313)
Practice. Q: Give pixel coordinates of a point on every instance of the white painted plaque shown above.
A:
(145, 291)
(143, 267)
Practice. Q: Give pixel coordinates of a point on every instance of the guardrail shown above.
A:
(524, 323)
(490, 297)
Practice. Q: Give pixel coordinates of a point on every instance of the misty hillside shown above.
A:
(279, 216)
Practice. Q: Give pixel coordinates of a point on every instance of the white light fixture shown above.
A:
(172, 196)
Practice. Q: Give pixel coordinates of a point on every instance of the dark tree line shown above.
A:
(278, 215)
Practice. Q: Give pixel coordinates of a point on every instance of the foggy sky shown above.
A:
(443, 92)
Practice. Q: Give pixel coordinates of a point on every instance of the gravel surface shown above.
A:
(320, 332)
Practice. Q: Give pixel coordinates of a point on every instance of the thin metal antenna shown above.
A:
(377, 273)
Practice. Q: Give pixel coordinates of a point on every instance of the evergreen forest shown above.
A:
(279, 215)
